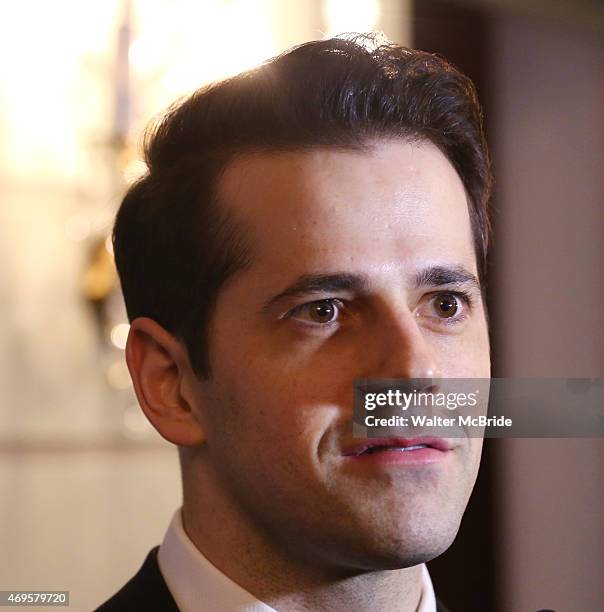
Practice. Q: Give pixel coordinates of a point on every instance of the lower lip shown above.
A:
(421, 456)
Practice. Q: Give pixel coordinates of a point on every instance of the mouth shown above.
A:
(394, 449)
(399, 450)
(401, 445)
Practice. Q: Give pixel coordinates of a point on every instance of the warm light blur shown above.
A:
(66, 54)
(52, 97)
(350, 15)
(119, 335)
(173, 56)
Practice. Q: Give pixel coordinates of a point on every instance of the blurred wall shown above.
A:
(548, 291)
(82, 520)
(533, 534)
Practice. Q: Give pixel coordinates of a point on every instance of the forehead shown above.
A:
(395, 204)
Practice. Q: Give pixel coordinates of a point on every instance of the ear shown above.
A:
(162, 374)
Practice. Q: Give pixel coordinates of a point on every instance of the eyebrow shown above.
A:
(321, 283)
(433, 276)
(437, 276)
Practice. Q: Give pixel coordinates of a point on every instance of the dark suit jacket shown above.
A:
(147, 592)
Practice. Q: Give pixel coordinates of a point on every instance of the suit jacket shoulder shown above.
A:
(147, 591)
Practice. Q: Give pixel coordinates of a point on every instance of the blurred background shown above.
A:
(86, 485)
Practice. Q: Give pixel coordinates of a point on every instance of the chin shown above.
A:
(410, 548)
(386, 547)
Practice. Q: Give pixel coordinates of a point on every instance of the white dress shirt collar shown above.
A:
(198, 585)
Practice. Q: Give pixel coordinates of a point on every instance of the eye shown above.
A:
(319, 312)
(449, 307)
(446, 305)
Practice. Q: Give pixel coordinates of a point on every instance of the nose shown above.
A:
(403, 348)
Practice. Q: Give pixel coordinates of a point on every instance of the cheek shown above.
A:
(273, 431)
(478, 356)
(268, 442)
(260, 410)
(290, 418)
(466, 355)
(289, 382)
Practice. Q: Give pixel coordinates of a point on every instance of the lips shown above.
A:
(371, 446)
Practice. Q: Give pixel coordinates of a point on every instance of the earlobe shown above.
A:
(158, 364)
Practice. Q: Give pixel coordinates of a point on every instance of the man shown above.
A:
(317, 220)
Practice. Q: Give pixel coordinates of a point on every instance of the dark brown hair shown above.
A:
(174, 245)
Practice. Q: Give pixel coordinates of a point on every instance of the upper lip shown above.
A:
(358, 448)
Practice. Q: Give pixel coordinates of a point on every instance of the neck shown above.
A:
(281, 577)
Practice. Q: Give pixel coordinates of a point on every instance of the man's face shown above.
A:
(339, 289)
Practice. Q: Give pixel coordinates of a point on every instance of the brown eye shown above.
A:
(323, 311)
(318, 313)
(446, 305)
(445, 308)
